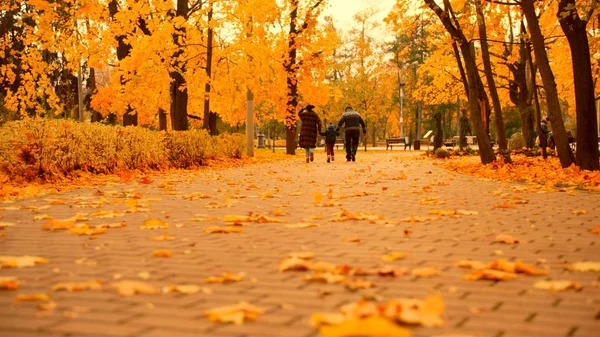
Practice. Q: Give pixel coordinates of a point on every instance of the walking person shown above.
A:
(330, 139)
(311, 127)
(544, 135)
(352, 122)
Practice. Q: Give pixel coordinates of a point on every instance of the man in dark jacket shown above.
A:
(352, 123)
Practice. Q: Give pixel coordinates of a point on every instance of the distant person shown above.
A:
(352, 122)
(330, 139)
(311, 127)
(544, 135)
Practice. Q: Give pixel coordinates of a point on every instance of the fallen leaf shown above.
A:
(3, 225)
(32, 297)
(54, 224)
(579, 212)
(236, 314)
(9, 283)
(489, 274)
(557, 285)
(504, 238)
(319, 319)
(107, 214)
(78, 286)
(225, 230)
(195, 195)
(393, 256)
(425, 272)
(187, 289)
(505, 204)
(302, 225)
(47, 306)
(464, 212)
(162, 238)
(369, 327)
(470, 264)
(294, 263)
(596, 230)
(130, 288)
(162, 253)
(86, 230)
(324, 277)
(577, 266)
(317, 198)
(357, 284)
(302, 255)
(353, 240)
(21, 261)
(225, 278)
(112, 225)
(144, 275)
(154, 224)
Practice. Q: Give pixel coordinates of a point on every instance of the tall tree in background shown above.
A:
(291, 66)
(478, 101)
(210, 118)
(489, 74)
(179, 91)
(554, 111)
(587, 131)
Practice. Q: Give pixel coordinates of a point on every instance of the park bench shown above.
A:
(389, 143)
(450, 142)
(339, 141)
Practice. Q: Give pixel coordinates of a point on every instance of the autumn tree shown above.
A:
(575, 29)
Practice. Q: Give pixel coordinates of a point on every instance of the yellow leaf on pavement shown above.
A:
(369, 327)
(225, 278)
(130, 288)
(21, 261)
(32, 297)
(302, 225)
(162, 253)
(235, 314)
(86, 230)
(3, 225)
(78, 286)
(425, 272)
(317, 198)
(489, 274)
(162, 238)
(325, 277)
(586, 266)
(294, 263)
(224, 230)
(393, 256)
(557, 285)
(54, 224)
(154, 224)
(187, 289)
(319, 319)
(505, 238)
(8, 283)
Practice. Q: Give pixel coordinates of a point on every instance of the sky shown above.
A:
(343, 10)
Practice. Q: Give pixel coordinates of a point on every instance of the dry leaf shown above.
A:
(596, 230)
(302, 255)
(579, 212)
(54, 224)
(489, 274)
(353, 240)
(505, 204)
(236, 314)
(294, 263)
(464, 212)
(78, 286)
(470, 264)
(319, 319)
(557, 285)
(154, 224)
(325, 277)
(580, 266)
(130, 288)
(144, 275)
(302, 225)
(107, 214)
(187, 289)
(162, 253)
(32, 297)
(225, 278)
(3, 225)
(504, 238)
(357, 284)
(371, 327)
(21, 261)
(112, 225)
(317, 198)
(8, 283)
(47, 306)
(86, 230)
(225, 230)
(162, 238)
(393, 256)
(425, 272)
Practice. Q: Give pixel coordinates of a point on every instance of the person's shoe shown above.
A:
(328, 159)
(353, 158)
(312, 156)
(307, 160)
(332, 158)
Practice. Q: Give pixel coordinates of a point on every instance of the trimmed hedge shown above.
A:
(40, 147)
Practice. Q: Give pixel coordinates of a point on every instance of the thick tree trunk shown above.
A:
(209, 121)
(487, 65)
(162, 120)
(292, 82)
(587, 121)
(554, 112)
(179, 94)
(438, 140)
(478, 101)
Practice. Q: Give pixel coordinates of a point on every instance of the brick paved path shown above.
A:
(555, 237)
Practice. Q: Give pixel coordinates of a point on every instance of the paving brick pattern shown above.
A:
(554, 238)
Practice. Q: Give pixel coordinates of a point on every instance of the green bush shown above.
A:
(41, 147)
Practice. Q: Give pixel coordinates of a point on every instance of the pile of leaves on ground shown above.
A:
(34, 148)
(535, 170)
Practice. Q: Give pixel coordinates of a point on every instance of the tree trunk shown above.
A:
(96, 116)
(208, 115)
(292, 82)
(487, 64)
(477, 98)
(438, 139)
(179, 94)
(587, 121)
(123, 50)
(554, 112)
(162, 120)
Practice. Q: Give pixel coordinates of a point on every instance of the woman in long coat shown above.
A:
(311, 127)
